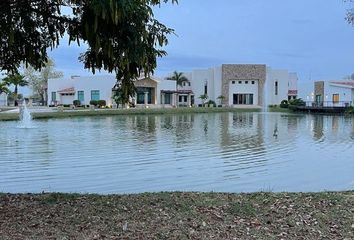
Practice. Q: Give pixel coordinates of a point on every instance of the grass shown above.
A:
(178, 215)
(108, 112)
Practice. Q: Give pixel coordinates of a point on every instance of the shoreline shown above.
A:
(178, 215)
(132, 111)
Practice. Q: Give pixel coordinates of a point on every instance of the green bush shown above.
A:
(77, 103)
(211, 102)
(284, 104)
(297, 102)
(349, 110)
(94, 102)
(101, 103)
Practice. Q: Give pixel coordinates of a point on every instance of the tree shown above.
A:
(38, 81)
(221, 99)
(3, 88)
(17, 80)
(203, 97)
(122, 36)
(122, 94)
(178, 77)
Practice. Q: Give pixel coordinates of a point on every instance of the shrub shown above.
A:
(349, 110)
(77, 103)
(211, 102)
(94, 102)
(101, 103)
(284, 104)
(297, 102)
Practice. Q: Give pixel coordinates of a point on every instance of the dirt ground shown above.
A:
(178, 215)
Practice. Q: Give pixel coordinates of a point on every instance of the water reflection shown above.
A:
(203, 152)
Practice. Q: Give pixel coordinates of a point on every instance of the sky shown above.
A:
(310, 37)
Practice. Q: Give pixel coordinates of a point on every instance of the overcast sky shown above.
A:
(310, 37)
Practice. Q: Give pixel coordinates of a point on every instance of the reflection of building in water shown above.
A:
(317, 127)
(242, 131)
(329, 127)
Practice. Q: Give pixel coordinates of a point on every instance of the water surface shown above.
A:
(232, 152)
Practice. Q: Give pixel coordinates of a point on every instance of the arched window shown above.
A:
(276, 88)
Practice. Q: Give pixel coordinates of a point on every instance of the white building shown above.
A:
(333, 93)
(242, 84)
(3, 99)
(66, 90)
(230, 84)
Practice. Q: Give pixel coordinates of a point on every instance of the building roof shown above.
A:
(67, 90)
(178, 91)
(344, 84)
(292, 92)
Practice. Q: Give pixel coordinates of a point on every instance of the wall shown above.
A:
(273, 76)
(102, 83)
(198, 80)
(3, 99)
(242, 87)
(241, 72)
(345, 93)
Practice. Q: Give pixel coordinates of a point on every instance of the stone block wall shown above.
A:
(243, 72)
(319, 89)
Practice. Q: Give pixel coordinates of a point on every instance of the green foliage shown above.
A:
(101, 103)
(15, 79)
(77, 103)
(178, 77)
(122, 36)
(124, 90)
(284, 104)
(349, 110)
(94, 102)
(211, 102)
(297, 102)
(3, 88)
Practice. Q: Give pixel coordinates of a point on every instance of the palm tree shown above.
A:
(3, 88)
(178, 77)
(221, 98)
(203, 97)
(15, 79)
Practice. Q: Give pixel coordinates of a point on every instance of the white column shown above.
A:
(146, 98)
(163, 99)
(189, 100)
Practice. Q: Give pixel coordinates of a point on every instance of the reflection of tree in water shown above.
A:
(317, 130)
(142, 127)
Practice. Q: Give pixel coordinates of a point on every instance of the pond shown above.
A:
(224, 152)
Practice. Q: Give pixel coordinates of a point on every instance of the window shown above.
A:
(246, 82)
(239, 82)
(95, 95)
(253, 82)
(185, 98)
(233, 82)
(179, 98)
(80, 96)
(243, 99)
(54, 96)
(335, 98)
(276, 88)
(168, 97)
(189, 84)
(206, 88)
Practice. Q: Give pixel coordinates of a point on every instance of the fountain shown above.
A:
(25, 117)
